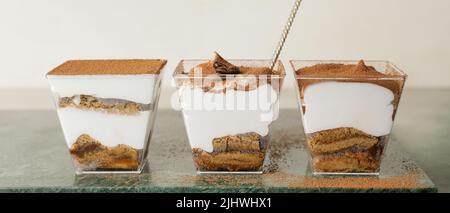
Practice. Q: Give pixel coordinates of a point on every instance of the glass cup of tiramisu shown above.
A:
(348, 109)
(106, 110)
(228, 107)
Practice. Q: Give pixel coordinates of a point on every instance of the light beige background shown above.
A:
(37, 35)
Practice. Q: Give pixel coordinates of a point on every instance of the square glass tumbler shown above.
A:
(348, 110)
(106, 109)
(228, 116)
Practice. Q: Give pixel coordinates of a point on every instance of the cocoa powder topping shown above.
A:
(349, 73)
(109, 67)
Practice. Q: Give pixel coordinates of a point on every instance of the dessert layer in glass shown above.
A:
(106, 109)
(348, 110)
(228, 107)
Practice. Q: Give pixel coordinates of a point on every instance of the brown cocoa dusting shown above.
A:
(396, 182)
(340, 70)
(109, 67)
(276, 154)
(292, 181)
(223, 180)
(360, 73)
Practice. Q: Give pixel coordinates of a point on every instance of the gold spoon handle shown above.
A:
(286, 30)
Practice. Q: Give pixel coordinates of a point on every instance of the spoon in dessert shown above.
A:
(285, 33)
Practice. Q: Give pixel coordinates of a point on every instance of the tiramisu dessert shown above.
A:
(348, 109)
(106, 109)
(228, 107)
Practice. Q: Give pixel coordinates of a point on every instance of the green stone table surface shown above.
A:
(34, 157)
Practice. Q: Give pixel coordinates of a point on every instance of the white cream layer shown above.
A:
(135, 88)
(212, 115)
(108, 129)
(367, 107)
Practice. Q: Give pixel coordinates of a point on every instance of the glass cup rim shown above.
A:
(401, 74)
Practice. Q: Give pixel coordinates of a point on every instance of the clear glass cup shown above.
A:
(107, 119)
(347, 120)
(228, 116)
